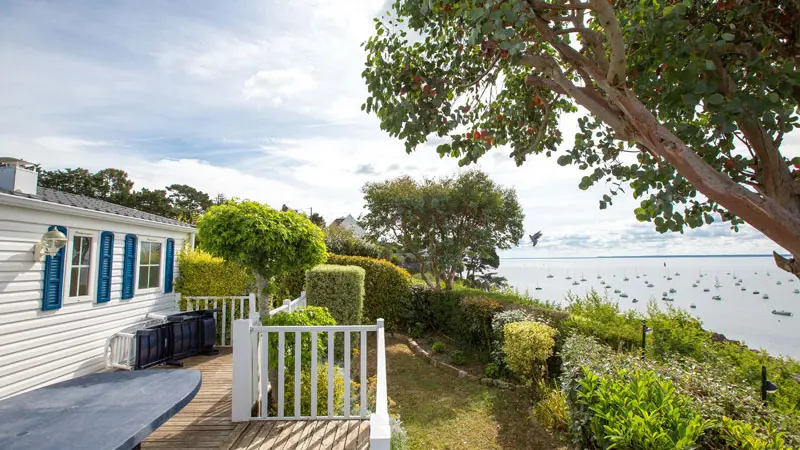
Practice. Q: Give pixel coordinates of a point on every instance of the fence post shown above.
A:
(241, 401)
(252, 303)
(177, 301)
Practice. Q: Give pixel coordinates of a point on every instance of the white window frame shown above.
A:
(93, 261)
(139, 241)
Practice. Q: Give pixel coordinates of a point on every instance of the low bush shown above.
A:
(636, 410)
(387, 290)
(438, 347)
(338, 288)
(596, 316)
(675, 331)
(476, 321)
(458, 357)
(492, 370)
(499, 321)
(201, 274)
(310, 315)
(341, 241)
(416, 330)
(322, 391)
(551, 411)
(527, 346)
(706, 385)
(399, 440)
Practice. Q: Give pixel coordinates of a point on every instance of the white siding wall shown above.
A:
(41, 347)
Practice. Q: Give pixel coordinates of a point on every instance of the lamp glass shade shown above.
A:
(53, 241)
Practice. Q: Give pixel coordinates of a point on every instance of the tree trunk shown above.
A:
(421, 267)
(761, 212)
(261, 294)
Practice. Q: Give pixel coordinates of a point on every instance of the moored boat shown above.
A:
(781, 313)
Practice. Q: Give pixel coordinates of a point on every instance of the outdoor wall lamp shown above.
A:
(51, 243)
(767, 387)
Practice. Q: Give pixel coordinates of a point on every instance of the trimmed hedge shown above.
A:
(340, 289)
(201, 274)
(387, 289)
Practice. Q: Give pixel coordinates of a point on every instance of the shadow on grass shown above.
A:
(441, 411)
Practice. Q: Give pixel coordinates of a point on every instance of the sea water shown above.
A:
(740, 314)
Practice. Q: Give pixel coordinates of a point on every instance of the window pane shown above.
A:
(83, 283)
(143, 277)
(144, 253)
(76, 249)
(155, 276)
(86, 251)
(155, 253)
(73, 282)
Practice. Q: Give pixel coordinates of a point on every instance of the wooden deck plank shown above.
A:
(206, 422)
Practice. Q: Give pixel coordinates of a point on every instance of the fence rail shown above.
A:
(231, 308)
(260, 353)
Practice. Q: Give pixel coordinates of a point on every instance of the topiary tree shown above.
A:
(266, 241)
(687, 104)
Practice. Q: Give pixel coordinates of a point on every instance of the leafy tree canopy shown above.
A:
(686, 104)
(266, 241)
(438, 220)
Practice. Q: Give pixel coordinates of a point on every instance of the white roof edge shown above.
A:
(35, 203)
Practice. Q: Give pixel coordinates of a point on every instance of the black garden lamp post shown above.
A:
(645, 330)
(767, 387)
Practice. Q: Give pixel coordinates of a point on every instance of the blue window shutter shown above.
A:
(54, 276)
(169, 264)
(105, 260)
(128, 266)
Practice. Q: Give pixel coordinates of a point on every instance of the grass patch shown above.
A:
(441, 411)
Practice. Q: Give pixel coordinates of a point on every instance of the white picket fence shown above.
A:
(251, 375)
(226, 304)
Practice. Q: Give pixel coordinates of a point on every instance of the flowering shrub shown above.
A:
(527, 347)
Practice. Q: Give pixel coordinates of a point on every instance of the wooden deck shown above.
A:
(206, 422)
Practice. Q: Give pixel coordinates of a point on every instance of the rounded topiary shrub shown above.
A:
(338, 288)
(387, 289)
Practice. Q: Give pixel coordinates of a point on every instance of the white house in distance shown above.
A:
(349, 223)
(110, 266)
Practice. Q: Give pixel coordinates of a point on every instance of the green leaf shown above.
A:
(564, 160)
(728, 36)
(709, 65)
(716, 99)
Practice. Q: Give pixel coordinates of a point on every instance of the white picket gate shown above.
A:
(251, 358)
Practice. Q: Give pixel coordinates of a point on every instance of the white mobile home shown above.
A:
(73, 271)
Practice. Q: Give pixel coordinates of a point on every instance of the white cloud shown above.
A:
(278, 84)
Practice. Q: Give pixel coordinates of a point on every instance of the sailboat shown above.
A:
(796, 291)
(716, 282)
(637, 271)
(538, 288)
(569, 277)
(693, 306)
(626, 276)
(549, 275)
(668, 276)
(779, 283)
(582, 277)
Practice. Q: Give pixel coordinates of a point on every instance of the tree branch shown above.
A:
(480, 77)
(616, 45)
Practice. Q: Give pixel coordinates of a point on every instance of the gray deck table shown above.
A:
(113, 410)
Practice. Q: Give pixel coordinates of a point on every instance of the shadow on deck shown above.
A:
(205, 423)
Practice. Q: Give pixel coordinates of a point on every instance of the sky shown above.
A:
(261, 100)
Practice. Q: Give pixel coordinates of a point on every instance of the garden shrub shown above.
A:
(341, 241)
(707, 385)
(596, 316)
(476, 321)
(551, 411)
(416, 330)
(637, 410)
(438, 347)
(310, 315)
(288, 285)
(322, 391)
(458, 357)
(527, 347)
(499, 321)
(744, 436)
(387, 292)
(201, 274)
(492, 370)
(338, 288)
(676, 331)
(399, 439)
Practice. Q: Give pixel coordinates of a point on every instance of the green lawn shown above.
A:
(441, 411)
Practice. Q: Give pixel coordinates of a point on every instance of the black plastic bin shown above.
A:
(182, 335)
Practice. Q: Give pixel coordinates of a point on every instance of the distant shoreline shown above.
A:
(645, 257)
